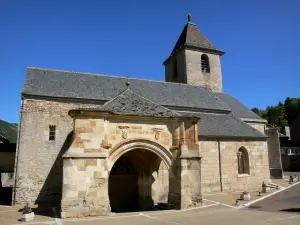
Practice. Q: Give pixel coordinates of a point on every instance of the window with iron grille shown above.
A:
(205, 64)
(52, 129)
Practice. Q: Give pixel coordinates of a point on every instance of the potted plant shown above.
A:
(245, 196)
(27, 214)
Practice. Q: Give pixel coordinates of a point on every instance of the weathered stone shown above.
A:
(28, 217)
(81, 194)
(91, 162)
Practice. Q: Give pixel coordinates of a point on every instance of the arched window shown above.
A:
(205, 63)
(243, 161)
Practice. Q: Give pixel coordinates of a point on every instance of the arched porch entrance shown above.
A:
(138, 180)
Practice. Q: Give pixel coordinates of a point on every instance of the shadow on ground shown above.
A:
(291, 210)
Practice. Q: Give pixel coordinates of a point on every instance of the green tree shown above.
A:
(292, 107)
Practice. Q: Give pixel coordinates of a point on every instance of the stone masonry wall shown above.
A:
(231, 180)
(258, 126)
(85, 188)
(170, 67)
(195, 76)
(39, 168)
(274, 153)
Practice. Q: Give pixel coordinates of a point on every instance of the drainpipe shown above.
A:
(220, 165)
(17, 154)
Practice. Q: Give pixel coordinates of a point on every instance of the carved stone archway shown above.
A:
(145, 144)
(141, 168)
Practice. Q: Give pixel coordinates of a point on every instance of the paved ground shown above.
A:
(285, 201)
(279, 209)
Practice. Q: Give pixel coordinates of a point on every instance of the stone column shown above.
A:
(190, 181)
(85, 187)
(185, 174)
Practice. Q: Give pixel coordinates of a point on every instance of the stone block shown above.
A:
(81, 194)
(79, 162)
(68, 214)
(97, 174)
(27, 217)
(90, 162)
(92, 193)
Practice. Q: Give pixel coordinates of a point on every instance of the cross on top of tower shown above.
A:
(189, 17)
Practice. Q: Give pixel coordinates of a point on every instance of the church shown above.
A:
(94, 144)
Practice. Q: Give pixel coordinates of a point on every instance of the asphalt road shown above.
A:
(286, 201)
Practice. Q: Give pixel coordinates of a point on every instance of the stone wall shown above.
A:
(6, 179)
(188, 65)
(179, 68)
(39, 167)
(231, 180)
(195, 76)
(85, 188)
(274, 153)
(210, 176)
(106, 138)
(258, 126)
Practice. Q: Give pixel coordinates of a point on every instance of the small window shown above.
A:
(52, 129)
(205, 64)
(243, 161)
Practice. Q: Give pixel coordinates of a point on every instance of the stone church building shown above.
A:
(95, 144)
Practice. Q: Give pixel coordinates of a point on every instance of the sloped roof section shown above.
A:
(86, 86)
(225, 125)
(130, 103)
(191, 36)
(8, 131)
(238, 109)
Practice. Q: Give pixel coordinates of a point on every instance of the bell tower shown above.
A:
(194, 60)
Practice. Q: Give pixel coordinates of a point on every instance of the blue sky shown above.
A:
(133, 38)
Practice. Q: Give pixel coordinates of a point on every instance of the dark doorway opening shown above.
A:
(123, 186)
(139, 180)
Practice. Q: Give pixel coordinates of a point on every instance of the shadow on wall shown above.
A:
(51, 192)
(174, 197)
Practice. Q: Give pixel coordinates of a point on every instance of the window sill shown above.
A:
(243, 175)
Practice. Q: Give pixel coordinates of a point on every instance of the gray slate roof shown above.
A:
(130, 103)
(238, 109)
(67, 84)
(8, 131)
(224, 125)
(191, 36)
(85, 86)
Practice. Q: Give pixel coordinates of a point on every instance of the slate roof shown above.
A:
(192, 37)
(86, 86)
(130, 103)
(67, 84)
(238, 109)
(224, 125)
(8, 131)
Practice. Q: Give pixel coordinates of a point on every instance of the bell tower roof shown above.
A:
(192, 38)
